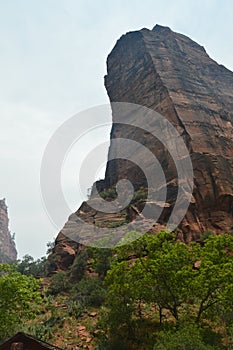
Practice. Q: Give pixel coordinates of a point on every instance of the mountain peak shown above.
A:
(160, 28)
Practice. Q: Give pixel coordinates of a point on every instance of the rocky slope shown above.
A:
(173, 75)
(8, 250)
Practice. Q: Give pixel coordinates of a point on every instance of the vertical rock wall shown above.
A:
(8, 250)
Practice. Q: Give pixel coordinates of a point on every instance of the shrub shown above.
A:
(75, 308)
(206, 235)
(79, 267)
(110, 193)
(58, 283)
(89, 292)
(187, 338)
(140, 195)
(101, 257)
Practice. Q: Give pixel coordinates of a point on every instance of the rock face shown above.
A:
(173, 75)
(63, 254)
(8, 252)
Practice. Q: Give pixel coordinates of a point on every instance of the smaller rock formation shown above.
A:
(8, 252)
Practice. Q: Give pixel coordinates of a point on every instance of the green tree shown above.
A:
(50, 246)
(126, 290)
(19, 299)
(120, 298)
(163, 271)
(159, 272)
(169, 273)
(212, 285)
(28, 266)
(101, 260)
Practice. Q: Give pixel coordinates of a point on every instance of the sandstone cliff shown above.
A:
(173, 75)
(8, 251)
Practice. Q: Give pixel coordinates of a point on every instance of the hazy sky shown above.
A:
(52, 64)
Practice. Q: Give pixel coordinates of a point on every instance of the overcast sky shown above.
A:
(52, 63)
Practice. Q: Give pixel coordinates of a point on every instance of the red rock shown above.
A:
(173, 75)
(8, 250)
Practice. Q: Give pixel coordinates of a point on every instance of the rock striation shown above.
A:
(173, 75)
(8, 252)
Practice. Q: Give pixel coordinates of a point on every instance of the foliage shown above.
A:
(108, 194)
(188, 281)
(28, 266)
(213, 283)
(51, 264)
(75, 308)
(89, 292)
(141, 194)
(114, 224)
(152, 291)
(58, 283)
(101, 258)
(206, 235)
(169, 275)
(19, 299)
(121, 297)
(185, 338)
(79, 267)
(164, 266)
(50, 246)
(43, 328)
(125, 241)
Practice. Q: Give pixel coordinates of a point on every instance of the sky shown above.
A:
(52, 66)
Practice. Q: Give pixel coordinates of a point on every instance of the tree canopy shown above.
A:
(19, 298)
(187, 280)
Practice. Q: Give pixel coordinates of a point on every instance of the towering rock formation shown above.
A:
(8, 251)
(173, 75)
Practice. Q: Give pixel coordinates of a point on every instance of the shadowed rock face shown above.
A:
(173, 75)
(8, 251)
